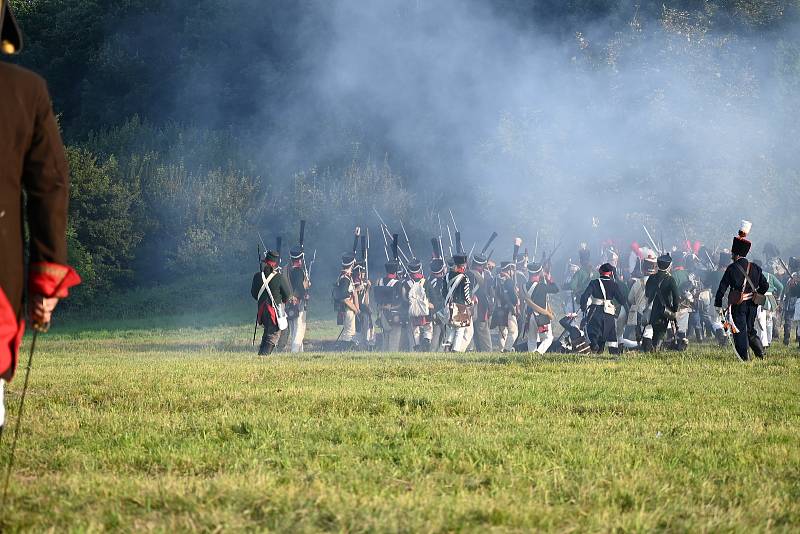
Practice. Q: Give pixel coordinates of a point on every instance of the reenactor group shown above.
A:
(654, 299)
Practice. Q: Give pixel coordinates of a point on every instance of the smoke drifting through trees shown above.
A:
(520, 115)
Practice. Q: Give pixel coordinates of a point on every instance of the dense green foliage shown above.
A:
(187, 431)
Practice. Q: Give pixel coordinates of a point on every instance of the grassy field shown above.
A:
(186, 430)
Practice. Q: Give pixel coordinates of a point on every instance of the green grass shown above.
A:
(186, 430)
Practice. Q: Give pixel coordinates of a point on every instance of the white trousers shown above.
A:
(349, 330)
(297, 331)
(539, 341)
(764, 320)
(508, 333)
(460, 338)
(418, 333)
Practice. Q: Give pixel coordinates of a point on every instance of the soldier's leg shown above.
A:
(349, 330)
(512, 329)
(436, 337)
(426, 337)
(533, 334)
(298, 331)
(461, 339)
(659, 332)
(754, 336)
(610, 334)
(545, 338)
(483, 337)
(269, 339)
(502, 336)
(741, 340)
(283, 340)
(395, 333)
(761, 326)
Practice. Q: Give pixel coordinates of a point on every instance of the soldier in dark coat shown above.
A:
(662, 293)
(270, 278)
(482, 286)
(745, 280)
(597, 303)
(32, 162)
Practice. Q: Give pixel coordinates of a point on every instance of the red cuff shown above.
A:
(10, 338)
(52, 279)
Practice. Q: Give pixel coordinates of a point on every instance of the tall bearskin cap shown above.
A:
(741, 246)
(10, 35)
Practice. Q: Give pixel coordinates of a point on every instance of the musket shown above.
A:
(450, 237)
(489, 242)
(536, 246)
(278, 243)
(517, 244)
(710, 260)
(262, 242)
(356, 235)
(459, 246)
(652, 241)
(385, 244)
(302, 233)
(471, 251)
(455, 226)
(310, 265)
(400, 250)
(365, 241)
(408, 241)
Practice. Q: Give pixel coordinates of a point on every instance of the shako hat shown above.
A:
(392, 266)
(664, 261)
(507, 265)
(479, 259)
(437, 265)
(272, 255)
(534, 268)
(296, 253)
(459, 259)
(360, 265)
(348, 259)
(741, 246)
(606, 269)
(10, 34)
(414, 266)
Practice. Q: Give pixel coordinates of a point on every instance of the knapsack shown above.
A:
(418, 299)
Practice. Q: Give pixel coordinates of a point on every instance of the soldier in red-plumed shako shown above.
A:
(271, 289)
(598, 302)
(746, 286)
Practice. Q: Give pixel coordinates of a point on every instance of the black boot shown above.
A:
(424, 345)
(647, 345)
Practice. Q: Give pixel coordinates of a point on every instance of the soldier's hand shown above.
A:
(41, 309)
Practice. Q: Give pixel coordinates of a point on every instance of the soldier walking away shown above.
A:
(597, 303)
(345, 303)
(791, 294)
(663, 297)
(711, 280)
(271, 290)
(365, 330)
(767, 311)
(388, 295)
(457, 292)
(638, 305)
(298, 303)
(419, 308)
(433, 290)
(32, 163)
(482, 304)
(748, 287)
(540, 285)
(505, 313)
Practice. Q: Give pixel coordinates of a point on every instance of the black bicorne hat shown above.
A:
(10, 34)
(664, 261)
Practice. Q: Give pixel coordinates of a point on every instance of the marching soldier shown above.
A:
(298, 303)
(271, 290)
(747, 285)
(32, 163)
(433, 289)
(346, 303)
(365, 328)
(767, 311)
(482, 310)
(600, 310)
(711, 280)
(388, 294)
(663, 298)
(419, 308)
(457, 292)
(638, 305)
(540, 285)
(505, 314)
